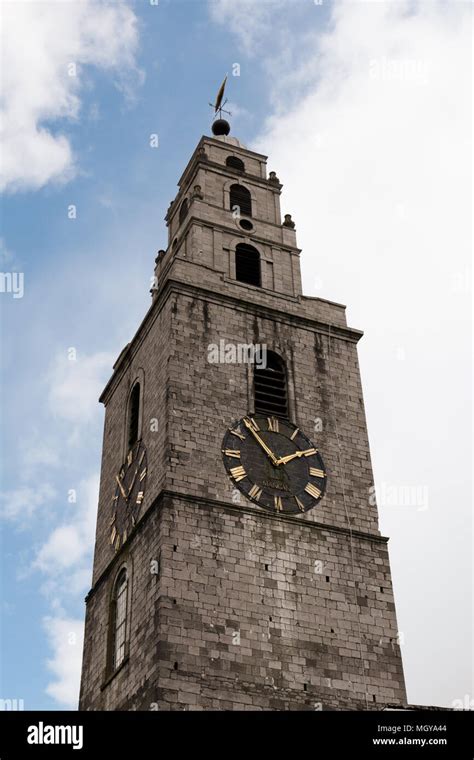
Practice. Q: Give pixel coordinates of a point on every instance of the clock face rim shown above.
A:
(131, 511)
(320, 483)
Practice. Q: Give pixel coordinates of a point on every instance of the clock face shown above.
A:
(129, 493)
(274, 464)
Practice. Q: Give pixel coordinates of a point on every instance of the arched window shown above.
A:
(183, 211)
(271, 391)
(235, 163)
(240, 197)
(247, 264)
(134, 415)
(119, 620)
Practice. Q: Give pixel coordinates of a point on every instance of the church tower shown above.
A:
(238, 561)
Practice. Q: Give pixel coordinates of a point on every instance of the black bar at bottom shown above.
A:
(374, 734)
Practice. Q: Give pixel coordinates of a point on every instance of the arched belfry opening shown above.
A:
(134, 415)
(271, 387)
(183, 211)
(240, 200)
(235, 163)
(247, 265)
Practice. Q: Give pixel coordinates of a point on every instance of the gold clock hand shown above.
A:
(121, 487)
(133, 482)
(263, 445)
(289, 457)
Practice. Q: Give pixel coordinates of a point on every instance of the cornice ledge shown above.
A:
(164, 495)
(178, 286)
(296, 520)
(325, 327)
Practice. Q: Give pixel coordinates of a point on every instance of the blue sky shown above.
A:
(340, 96)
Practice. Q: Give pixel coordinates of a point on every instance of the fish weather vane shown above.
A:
(218, 106)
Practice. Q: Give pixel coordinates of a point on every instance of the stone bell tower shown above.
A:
(211, 588)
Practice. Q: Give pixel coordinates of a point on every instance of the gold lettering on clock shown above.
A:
(255, 492)
(238, 473)
(313, 491)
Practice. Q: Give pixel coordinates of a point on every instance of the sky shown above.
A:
(364, 109)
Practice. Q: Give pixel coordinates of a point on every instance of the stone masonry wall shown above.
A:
(249, 613)
(325, 388)
(227, 567)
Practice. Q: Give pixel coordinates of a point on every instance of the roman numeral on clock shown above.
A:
(316, 473)
(255, 492)
(251, 423)
(231, 453)
(310, 452)
(313, 491)
(278, 503)
(299, 503)
(239, 435)
(143, 474)
(273, 425)
(139, 497)
(238, 473)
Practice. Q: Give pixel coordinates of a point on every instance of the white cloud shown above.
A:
(75, 385)
(20, 505)
(6, 255)
(72, 389)
(62, 549)
(371, 138)
(36, 452)
(70, 543)
(250, 20)
(64, 559)
(65, 637)
(41, 43)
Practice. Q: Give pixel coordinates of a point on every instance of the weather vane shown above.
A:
(218, 106)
